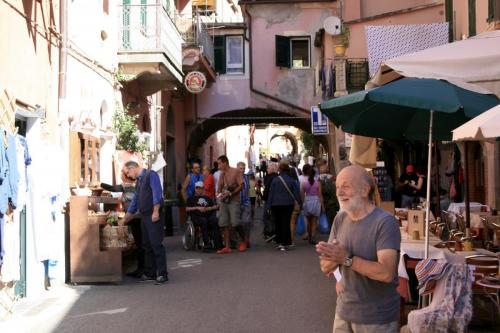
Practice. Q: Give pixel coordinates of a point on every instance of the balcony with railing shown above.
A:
(198, 47)
(149, 41)
(194, 32)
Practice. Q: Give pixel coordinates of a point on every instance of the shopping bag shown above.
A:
(300, 228)
(324, 227)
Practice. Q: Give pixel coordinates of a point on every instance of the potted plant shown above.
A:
(342, 41)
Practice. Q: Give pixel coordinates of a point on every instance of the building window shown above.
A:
(299, 49)
(357, 74)
(493, 10)
(234, 54)
(229, 55)
(293, 52)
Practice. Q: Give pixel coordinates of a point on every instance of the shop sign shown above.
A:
(195, 82)
(319, 122)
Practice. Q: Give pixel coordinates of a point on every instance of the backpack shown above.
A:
(329, 192)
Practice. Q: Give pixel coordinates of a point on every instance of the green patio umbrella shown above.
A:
(408, 109)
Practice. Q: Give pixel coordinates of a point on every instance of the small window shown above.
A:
(234, 54)
(293, 52)
(229, 56)
(299, 49)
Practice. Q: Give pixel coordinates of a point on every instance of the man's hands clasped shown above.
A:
(331, 255)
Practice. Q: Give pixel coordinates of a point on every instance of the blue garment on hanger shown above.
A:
(27, 157)
(4, 175)
(13, 172)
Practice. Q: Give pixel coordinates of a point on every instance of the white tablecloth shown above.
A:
(459, 207)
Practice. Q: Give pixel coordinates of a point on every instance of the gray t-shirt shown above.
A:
(364, 300)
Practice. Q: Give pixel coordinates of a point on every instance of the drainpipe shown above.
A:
(63, 52)
(252, 89)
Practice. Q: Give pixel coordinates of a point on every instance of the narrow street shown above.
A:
(261, 290)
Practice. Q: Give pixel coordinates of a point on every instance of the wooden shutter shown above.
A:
(283, 51)
(220, 54)
(472, 18)
(449, 18)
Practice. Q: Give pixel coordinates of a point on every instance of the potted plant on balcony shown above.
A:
(342, 41)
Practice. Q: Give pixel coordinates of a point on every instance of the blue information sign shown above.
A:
(319, 122)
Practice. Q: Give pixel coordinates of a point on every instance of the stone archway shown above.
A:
(201, 131)
(290, 137)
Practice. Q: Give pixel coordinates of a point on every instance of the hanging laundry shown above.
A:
(13, 172)
(331, 84)
(4, 175)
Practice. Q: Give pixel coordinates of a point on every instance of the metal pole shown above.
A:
(466, 188)
(428, 206)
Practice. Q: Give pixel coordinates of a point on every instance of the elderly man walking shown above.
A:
(364, 242)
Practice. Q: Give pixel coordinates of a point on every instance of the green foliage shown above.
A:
(309, 141)
(127, 132)
(343, 38)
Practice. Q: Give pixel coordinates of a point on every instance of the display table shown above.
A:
(86, 260)
(459, 207)
(415, 250)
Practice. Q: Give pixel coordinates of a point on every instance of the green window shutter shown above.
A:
(472, 18)
(283, 51)
(144, 14)
(491, 11)
(449, 18)
(220, 54)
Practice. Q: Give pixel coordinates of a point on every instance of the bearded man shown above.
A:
(364, 243)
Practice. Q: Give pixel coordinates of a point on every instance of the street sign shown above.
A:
(319, 122)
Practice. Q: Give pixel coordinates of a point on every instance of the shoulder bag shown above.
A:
(296, 205)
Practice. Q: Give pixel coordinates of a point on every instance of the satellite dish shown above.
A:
(332, 25)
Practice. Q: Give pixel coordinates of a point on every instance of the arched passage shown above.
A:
(200, 133)
(291, 138)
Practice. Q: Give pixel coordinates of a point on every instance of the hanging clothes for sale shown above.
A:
(4, 175)
(11, 267)
(13, 172)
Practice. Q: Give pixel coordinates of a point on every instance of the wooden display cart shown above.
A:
(86, 260)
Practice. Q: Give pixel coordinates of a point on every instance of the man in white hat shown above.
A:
(202, 210)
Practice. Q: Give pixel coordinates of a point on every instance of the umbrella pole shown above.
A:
(438, 195)
(466, 189)
(428, 205)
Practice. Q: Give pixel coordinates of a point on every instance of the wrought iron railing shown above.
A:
(195, 32)
(149, 28)
(357, 74)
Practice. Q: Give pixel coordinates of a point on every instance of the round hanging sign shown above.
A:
(195, 82)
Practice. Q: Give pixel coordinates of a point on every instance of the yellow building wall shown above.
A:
(29, 56)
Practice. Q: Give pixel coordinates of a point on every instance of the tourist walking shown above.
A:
(192, 177)
(209, 183)
(267, 218)
(245, 203)
(310, 191)
(283, 194)
(230, 184)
